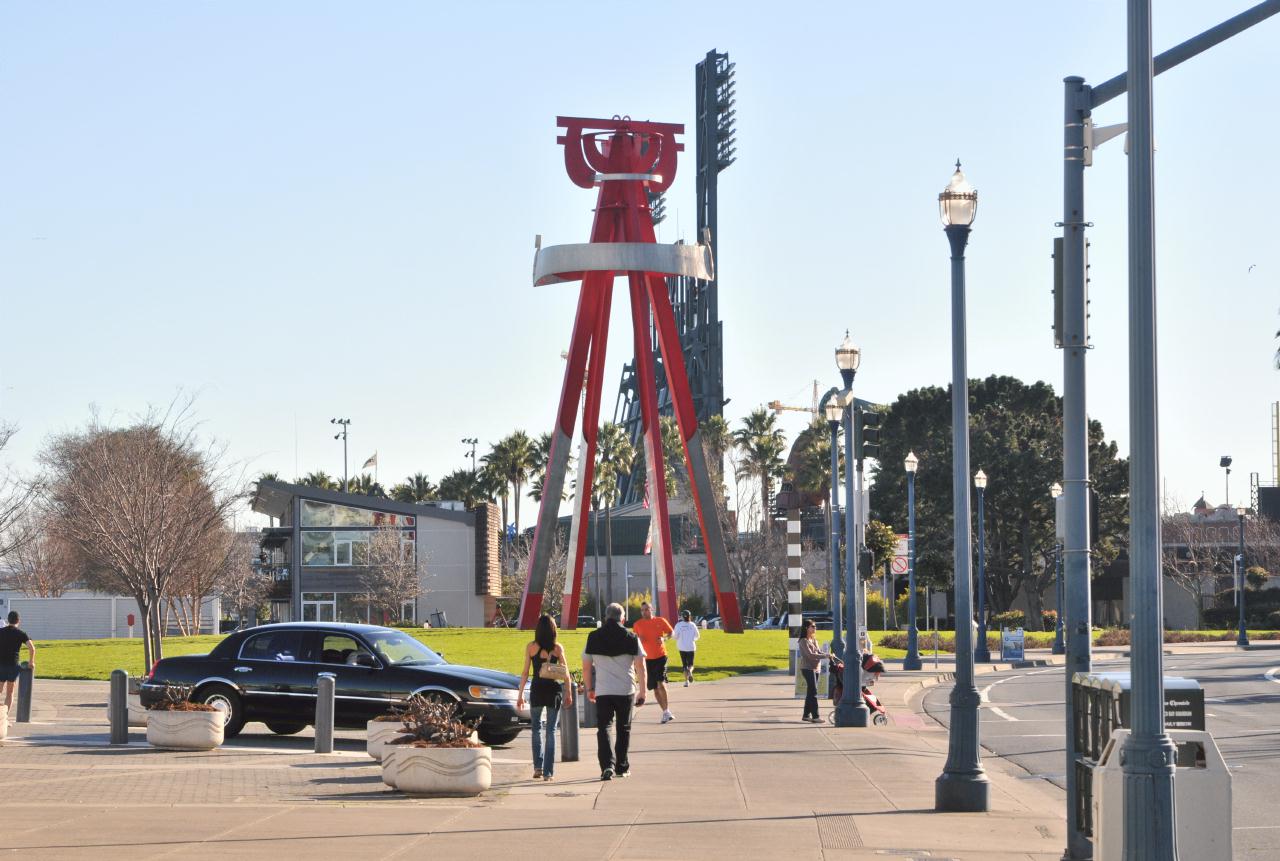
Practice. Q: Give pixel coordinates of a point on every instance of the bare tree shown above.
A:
(390, 580)
(513, 580)
(16, 496)
(244, 587)
(40, 562)
(210, 565)
(140, 503)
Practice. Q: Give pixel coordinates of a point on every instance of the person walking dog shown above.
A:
(652, 630)
(613, 675)
(686, 636)
(547, 693)
(810, 655)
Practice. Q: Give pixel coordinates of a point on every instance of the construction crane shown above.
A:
(779, 406)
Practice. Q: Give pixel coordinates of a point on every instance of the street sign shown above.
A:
(1012, 645)
(901, 564)
(904, 547)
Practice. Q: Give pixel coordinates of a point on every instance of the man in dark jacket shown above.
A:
(613, 674)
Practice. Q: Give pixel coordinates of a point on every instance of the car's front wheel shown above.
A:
(223, 697)
(494, 738)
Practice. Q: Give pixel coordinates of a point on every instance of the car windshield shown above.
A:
(395, 647)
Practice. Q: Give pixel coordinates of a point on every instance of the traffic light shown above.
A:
(866, 434)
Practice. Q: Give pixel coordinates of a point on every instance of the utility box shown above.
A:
(1201, 793)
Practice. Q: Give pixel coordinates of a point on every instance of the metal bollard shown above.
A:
(589, 719)
(118, 707)
(569, 732)
(325, 684)
(26, 677)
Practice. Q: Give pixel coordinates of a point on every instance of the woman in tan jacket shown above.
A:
(809, 654)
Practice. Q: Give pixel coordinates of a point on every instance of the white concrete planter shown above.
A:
(175, 730)
(454, 771)
(137, 714)
(379, 732)
(390, 759)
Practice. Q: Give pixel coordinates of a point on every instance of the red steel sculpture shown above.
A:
(626, 159)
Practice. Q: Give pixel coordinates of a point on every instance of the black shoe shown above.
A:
(607, 774)
(626, 773)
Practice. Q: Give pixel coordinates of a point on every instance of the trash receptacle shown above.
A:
(1202, 792)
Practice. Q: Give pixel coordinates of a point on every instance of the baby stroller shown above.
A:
(872, 667)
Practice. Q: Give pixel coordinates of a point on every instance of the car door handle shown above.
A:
(244, 669)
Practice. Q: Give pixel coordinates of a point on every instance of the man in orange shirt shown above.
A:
(652, 630)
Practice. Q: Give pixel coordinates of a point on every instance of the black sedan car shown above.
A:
(268, 674)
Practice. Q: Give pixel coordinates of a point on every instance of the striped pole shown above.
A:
(795, 616)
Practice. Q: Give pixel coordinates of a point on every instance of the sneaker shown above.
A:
(548, 778)
(626, 773)
(668, 717)
(607, 774)
(537, 774)
(686, 683)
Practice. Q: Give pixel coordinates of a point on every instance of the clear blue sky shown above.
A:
(220, 198)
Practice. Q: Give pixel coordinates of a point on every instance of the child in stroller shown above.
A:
(872, 667)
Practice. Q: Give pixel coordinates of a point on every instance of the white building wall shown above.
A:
(446, 574)
(89, 616)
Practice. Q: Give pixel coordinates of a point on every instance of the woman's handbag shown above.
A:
(553, 672)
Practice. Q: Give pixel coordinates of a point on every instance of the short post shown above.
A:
(588, 712)
(569, 731)
(26, 678)
(118, 707)
(325, 684)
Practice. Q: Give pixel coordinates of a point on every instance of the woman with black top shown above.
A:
(544, 695)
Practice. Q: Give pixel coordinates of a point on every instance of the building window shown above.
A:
(317, 548)
(316, 513)
(318, 606)
(352, 607)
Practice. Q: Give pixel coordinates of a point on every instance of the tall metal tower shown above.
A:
(695, 302)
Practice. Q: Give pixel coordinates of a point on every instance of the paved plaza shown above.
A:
(735, 775)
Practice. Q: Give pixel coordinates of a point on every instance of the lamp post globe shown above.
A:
(848, 357)
(963, 785)
(981, 651)
(912, 660)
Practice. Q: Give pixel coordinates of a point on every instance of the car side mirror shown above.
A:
(365, 660)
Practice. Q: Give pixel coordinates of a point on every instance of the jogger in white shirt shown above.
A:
(686, 636)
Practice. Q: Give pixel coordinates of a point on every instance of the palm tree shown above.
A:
(318, 479)
(415, 488)
(464, 486)
(761, 443)
(365, 485)
(512, 459)
(715, 442)
(269, 476)
(614, 458)
(672, 454)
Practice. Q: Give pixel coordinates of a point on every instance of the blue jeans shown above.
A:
(544, 756)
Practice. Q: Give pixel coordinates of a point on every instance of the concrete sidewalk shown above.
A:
(737, 774)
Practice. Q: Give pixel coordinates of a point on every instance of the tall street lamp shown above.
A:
(1225, 463)
(963, 784)
(342, 436)
(851, 710)
(1242, 638)
(1059, 647)
(833, 409)
(982, 654)
(912, 661)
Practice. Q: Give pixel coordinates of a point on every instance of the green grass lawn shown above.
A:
(719, 654)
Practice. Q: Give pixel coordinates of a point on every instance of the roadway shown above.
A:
(1022, 720)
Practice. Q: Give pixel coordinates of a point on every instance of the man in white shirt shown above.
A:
(686, 636)
(613, 674)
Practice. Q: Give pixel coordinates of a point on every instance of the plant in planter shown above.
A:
(176, 723)
(381, 730)
(435, 755)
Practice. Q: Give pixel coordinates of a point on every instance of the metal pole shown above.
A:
(963, 784)
(1148, 756)
(569, 730)
(325, 683)
(837, 643)
(1059, 647)
(1242, 639)
(851, 710)
(912, 660)
(1074, 558)
(981, 652)
(118, 707)
(26, 679)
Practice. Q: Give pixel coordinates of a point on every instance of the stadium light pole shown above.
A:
(342, 436)
(963, 785)
(912, 660)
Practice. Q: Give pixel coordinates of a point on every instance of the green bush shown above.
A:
(695, 604)
(1273, 619)
(1009, 619)
(813, 598)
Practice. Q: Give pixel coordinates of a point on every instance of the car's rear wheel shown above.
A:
(223, 697)
(281, 728)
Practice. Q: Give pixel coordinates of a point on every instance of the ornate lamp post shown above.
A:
(1059, 647)
(912, 660)
(1242, 638)
(833, 409)
(963, 784)
(981, 653)
(851, 710)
